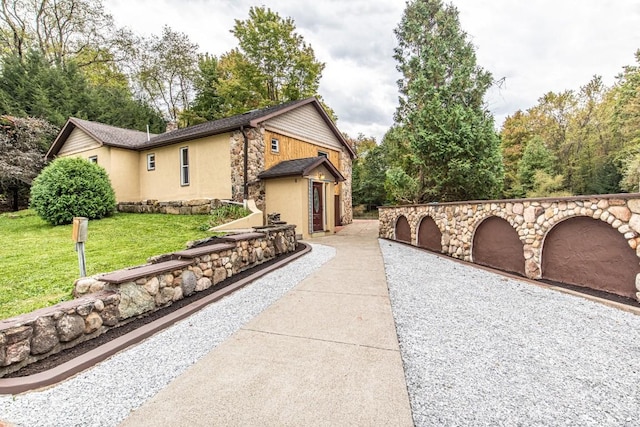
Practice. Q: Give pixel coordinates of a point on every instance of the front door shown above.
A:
(318, 208)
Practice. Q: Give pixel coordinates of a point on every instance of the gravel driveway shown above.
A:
(482, 349)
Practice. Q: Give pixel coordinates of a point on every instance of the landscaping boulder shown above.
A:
(45, 336)
(70, 327)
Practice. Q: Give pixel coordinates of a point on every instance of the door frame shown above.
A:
(319, 185)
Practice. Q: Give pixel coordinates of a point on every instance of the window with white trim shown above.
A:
(151, 161)
(275, 145)
(93, 159)
(184, 166)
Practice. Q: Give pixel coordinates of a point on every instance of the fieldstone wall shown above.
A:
(255, 165)
(531, 218)
(102, 302)
(176, 207)
(151, 292)
(28, 338)
(346, 170)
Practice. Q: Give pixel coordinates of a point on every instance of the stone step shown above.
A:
(243, 236)
(205, 250)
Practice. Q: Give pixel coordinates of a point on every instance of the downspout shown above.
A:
(245, 193)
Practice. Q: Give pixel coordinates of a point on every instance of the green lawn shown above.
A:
(38, 262)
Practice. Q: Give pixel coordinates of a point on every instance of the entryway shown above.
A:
(318, 207)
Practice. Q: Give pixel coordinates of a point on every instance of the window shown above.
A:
(275, 145)
(151, 162)
(93, 159)
(184, 166)
(323, 154)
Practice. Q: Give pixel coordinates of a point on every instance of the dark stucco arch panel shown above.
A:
(403, 230)
(588, 252)
(429, 235)
(496, 244)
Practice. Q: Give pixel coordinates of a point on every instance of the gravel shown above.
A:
(105, 394)
(482, 349)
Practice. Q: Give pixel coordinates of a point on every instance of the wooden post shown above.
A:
(79, 235)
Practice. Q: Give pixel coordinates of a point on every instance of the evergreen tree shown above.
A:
(454, 147)
(36, 88)
(207, 104)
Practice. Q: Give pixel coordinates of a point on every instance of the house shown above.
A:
(290, 159)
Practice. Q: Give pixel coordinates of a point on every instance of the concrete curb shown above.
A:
(82, 362)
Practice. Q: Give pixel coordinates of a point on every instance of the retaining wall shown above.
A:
(589, 241)
(176, 207)
(110, 300)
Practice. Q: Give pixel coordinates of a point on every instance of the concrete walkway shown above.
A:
(326, 354)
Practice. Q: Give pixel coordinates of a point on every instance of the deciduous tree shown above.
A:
(272, 64)
(60, 30)
(368, 176)
(536, 157)
(23, 143)
(164, 72)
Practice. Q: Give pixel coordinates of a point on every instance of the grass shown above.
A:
(225, 214)
(38, 262)
(366, 215)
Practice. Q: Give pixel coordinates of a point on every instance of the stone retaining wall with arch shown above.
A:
(592, 241)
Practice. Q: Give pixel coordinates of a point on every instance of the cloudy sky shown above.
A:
(537, 46)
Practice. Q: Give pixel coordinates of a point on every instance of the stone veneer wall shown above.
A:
(531, 218)
(30, 337)
(176, 207)
(346, 170)
(99, 306)
(255, 165)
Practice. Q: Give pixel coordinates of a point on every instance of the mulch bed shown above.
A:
(66, 355)
(594, 292)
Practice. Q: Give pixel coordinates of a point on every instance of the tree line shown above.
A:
(63, 58)
(443, 147)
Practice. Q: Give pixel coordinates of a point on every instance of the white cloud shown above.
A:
(541, 46)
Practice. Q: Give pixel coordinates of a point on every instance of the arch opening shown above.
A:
(403, 230)
(496, 244)
(429, 235)
(590, 253)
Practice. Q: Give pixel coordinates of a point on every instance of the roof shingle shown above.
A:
(111, 135)
(136, 140)
(219, 126)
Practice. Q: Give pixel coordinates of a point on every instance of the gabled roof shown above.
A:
(135, 140)
(251, 118)
(300, 167)
(103, 134)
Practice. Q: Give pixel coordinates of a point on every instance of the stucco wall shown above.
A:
(209, 170)
(123, 174)
(290, 198)
(121, 166)
(532, 220)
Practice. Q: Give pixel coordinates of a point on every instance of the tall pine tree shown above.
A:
(455, 149)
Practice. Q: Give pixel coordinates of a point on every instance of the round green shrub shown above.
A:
(71, 187)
